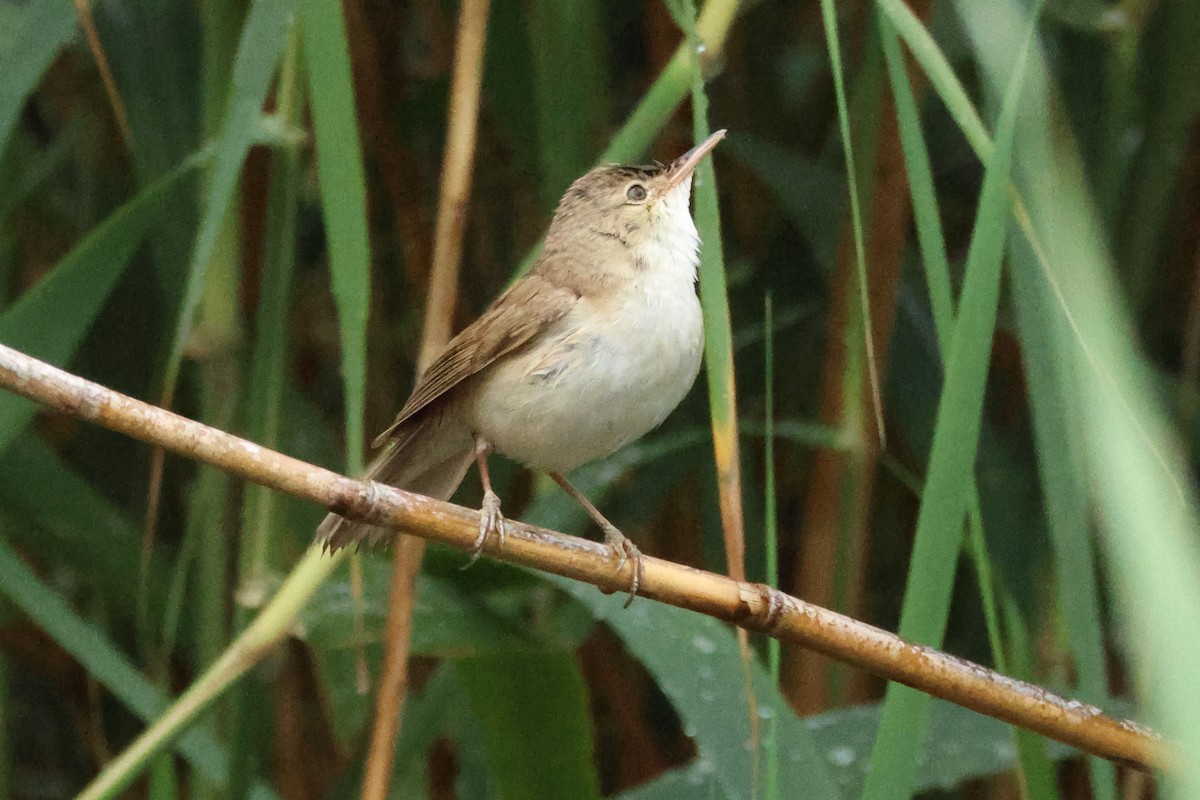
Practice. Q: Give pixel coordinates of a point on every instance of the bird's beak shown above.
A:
(683, 166)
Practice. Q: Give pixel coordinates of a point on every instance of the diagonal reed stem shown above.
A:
(752, 606)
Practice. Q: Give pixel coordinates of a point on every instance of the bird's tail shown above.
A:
(429, 457)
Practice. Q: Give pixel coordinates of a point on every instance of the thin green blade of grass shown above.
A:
(1148, 520)
(961, 109)
(105, 662)
(829, 16)
(26, 50)
(254, 66)
(937, 277)
(268, 357)
(50, 320)
(214, 324)
(1037, 768)
(771, 537)
(1059, 466)
(952, 462)
(69, 522)
(343, 199)
(251, 725)
(253, 644)
(926, 214)
(720, 372)
(718, 330)
(941, 75)
(1068, 509)
(532, 708)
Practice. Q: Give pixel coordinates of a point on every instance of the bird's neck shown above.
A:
(671, 251)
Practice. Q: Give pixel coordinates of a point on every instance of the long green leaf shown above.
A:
(343, 198)
(1147, 516)
(963, 745)
(268, 358)
(534, 713)
(854, 369)
(105, 662)
(696, 662)
(948, 487)
(26, 50)
(253, 70)
(718, 330)
(1067, 505)
(937, 276)
(50, 320)
(65, 518)
(771, 537)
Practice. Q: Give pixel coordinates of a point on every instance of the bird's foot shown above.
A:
(490, 521)
(625, 551)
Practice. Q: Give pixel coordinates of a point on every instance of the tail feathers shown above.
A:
(429, 457)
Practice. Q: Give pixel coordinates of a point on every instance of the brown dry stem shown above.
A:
(752, 606)
(837, 506)
(455, 192)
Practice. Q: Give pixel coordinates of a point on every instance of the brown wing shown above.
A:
(528, 307)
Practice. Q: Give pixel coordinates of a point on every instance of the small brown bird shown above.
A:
(587, 352)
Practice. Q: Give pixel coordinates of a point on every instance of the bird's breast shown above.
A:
(610, 371)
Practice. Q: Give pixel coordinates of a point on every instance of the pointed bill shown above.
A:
(683, 166)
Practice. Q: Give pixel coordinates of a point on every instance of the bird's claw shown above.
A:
(490, 521)
(626, 552)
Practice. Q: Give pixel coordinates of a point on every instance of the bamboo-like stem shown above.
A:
(753, 606)
(261, 637)
(455, 191)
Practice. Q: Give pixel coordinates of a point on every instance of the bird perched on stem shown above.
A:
(588, 351)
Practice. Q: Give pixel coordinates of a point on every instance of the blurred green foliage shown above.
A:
(243, 228)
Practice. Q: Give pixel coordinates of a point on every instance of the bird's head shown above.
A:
(637, 207)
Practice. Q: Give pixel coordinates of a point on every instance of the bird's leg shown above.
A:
(490, 518)
(622, 546)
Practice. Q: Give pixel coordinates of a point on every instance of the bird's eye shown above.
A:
(636, 193)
